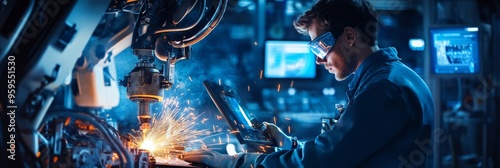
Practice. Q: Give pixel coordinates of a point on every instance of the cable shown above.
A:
(203, 11)
(115, 144)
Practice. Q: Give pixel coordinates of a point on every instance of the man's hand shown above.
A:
(211, 158)
(282, 140)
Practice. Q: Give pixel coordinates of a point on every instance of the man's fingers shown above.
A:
(277, 134)
(270, 126)
(273, 129)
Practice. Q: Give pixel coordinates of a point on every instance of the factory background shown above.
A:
(235, 54)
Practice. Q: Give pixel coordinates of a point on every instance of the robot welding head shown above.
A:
(168, 36)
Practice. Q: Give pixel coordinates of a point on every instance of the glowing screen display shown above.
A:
(240, 114)
(455, 50)
(289, 59)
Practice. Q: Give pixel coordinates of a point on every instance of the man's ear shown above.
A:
(350, 35)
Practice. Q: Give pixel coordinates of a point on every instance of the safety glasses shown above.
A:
(321, 45)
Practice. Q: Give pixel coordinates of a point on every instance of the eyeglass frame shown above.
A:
(319, 46)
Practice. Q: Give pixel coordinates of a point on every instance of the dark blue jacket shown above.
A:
(386, 123)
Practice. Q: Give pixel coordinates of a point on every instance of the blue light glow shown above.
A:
(289, 59)
(416, 44)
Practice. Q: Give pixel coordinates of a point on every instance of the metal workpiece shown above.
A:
(143, 158)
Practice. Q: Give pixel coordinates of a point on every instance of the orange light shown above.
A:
(55, 159)
(291, 84)
(38, 154)
(289, 129)
(160, 98)
(261, 71)
(263, 149)
(170, 130)
(279, 86)
(149, 145)
(67, 121)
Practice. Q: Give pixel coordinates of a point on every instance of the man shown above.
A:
(387, 121)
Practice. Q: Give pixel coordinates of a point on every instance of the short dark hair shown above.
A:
(335, 15)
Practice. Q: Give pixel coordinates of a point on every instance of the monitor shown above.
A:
(289, 60)
(245, 127)
(455, 50)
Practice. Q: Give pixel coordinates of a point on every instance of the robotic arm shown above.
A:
(166, 30)
(55, 39)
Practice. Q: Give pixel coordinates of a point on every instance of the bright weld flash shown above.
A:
(171, 131)
(148, 145)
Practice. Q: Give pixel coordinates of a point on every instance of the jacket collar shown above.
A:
(382, 55)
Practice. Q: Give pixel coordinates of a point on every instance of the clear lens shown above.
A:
(322, 45)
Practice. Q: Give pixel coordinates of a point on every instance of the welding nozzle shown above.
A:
(145, 127)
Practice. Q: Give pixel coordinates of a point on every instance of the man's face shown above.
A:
(335, 61)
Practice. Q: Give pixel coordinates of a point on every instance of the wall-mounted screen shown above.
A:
(289, 59)
(455, 50)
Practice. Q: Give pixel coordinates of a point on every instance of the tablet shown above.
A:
(244, 126)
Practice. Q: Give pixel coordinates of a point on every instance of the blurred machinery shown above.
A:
(64, 50)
